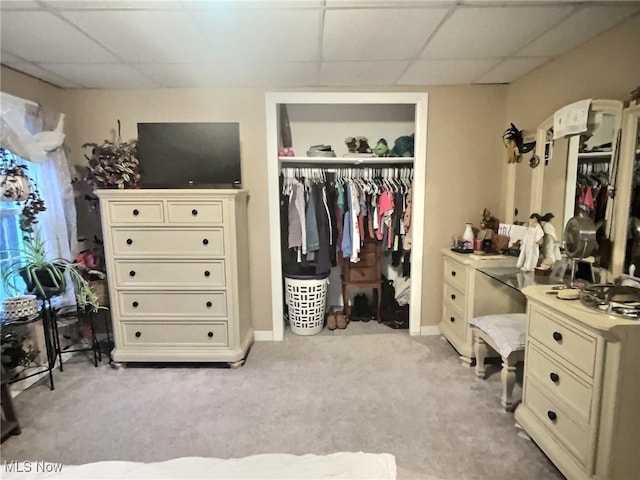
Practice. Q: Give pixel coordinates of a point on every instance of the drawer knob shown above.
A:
(453, 273)
(138, 334)
(135, 304)
(207, 273)
(129, 241)
(205, 242)
(136, 212)
(194, 212)
(453, 296)
(557, 336)
(132, 273)
(210, 334)
(453, 319)
(209, 304)
(552, 415)
(555, 378)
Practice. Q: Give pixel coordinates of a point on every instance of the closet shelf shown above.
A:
(370, 161)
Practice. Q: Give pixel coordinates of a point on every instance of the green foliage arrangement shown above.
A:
(46, 278)
(113, 164)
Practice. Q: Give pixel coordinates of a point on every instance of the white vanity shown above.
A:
(581, 388)
(467, 293)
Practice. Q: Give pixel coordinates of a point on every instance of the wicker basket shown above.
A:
(19, 307)
(306, 297)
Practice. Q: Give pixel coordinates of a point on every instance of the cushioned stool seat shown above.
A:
(506, 334)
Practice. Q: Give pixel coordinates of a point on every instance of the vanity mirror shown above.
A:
(575, 171)
(626, 254)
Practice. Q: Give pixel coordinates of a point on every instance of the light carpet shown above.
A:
(378, 393)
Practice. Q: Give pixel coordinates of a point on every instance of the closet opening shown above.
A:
(319, 146)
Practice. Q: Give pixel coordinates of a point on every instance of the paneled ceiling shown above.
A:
(293, 43)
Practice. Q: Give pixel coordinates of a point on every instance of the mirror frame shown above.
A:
(630, 124)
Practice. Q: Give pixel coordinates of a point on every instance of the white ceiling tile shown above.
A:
(144, 36)
(490, 32)
(263, 4)
(274, 74)
(261, 35)
(101, 75)
(7, 59)
(510, 69)
(586, 23)
(41, 36)
(42, 74)
(113, 4)
(19, 5)
(387, 3)
(446, 72)
(377, 34)
(187, 74)
(361, 73)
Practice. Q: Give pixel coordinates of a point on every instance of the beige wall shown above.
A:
(24, 86)
(607, 67)
(457, 143)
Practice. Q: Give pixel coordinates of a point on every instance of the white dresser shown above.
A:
(467, 293)
(178, 273)
(581, 398)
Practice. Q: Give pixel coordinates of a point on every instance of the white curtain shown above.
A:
(36, 134)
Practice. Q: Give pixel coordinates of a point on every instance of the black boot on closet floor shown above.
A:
(361, 311)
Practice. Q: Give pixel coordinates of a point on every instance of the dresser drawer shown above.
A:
(453, 295)
(574, 436)
(174, 334)
(168, 242)
(455, 274)
(195, 212)
(576, 347)
(163, 273)
(453, 320)
(180, 304)
(136, 212)
(560, 382)
(362, 274)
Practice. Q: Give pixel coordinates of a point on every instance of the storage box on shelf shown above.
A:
(179, 274)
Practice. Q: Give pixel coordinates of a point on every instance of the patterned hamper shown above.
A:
(306, 298)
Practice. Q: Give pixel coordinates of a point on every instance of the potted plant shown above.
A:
(17, 186)
(46, 278)
(91, 265)
(113, 164)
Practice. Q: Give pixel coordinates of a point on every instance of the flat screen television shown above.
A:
(189, 155)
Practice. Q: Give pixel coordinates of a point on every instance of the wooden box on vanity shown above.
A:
(178, 273)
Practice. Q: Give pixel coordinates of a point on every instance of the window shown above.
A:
(11, 237)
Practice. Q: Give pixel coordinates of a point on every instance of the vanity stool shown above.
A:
(506, 334)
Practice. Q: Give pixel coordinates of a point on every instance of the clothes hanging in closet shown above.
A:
(327, 222)
(592, 189)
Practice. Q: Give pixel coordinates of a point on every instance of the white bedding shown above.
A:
(344, 465)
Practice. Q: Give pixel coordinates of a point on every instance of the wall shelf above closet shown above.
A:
(369, 161)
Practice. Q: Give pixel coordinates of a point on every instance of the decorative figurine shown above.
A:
(530, 248)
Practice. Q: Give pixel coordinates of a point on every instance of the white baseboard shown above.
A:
(263, 335)
(429, 330)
